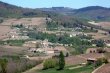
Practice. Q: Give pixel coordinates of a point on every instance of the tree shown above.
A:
(101, 50)
(3, 65)
(67, 54)
(100, 43)
(61, 61)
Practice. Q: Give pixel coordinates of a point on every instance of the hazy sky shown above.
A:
(56, 3)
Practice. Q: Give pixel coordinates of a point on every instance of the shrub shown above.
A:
(104, 60)
(3, 65)
(49, 63)
(100, 61)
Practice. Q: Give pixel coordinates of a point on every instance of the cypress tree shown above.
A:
(61, 61)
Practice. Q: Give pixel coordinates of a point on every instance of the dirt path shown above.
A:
(98, 68)
(37, 67)
(34, 69)
(75, 67)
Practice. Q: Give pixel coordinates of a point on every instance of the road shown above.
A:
(34, 69)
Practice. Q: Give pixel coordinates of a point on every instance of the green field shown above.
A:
(85, 69)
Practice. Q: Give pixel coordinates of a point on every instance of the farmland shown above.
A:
(26, 21)
(3, 33)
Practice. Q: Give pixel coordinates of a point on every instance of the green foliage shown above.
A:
(67, 54)
(52, 25)
(100, 61)
(42, 36)
(49, 63)
(104, 60)
(1, 20)
(61, 61)
(18, 26)
(3, 65)
(100, 43)
(101, 50)
(2, 42)
(78, 43)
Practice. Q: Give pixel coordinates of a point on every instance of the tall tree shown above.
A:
(61, 61)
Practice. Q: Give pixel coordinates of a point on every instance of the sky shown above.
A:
(58, 3)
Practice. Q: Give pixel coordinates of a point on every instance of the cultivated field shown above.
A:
(74, 60)
(3, 31)
(98, 35)
(25, 21)
(104, 24)
(104, 69)
(92, 55)
(11, 50)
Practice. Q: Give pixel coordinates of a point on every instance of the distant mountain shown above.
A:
(93, 12)
(63, 10)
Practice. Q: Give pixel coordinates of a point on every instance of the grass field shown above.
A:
(85, 69)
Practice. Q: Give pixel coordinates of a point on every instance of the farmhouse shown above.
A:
(107, 41)
(91, 50)
(49, 51)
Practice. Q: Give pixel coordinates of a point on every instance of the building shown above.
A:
(91, 50)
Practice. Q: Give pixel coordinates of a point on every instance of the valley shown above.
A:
(54, 40)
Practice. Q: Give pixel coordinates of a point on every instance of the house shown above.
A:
(45, 43)
(91, 50)
(40, 50)
(92, 60)
(32, 43)
(58, 49)
(32, 49)
(107, 42)
(49, 51)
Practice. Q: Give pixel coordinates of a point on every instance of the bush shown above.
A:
(3, 65)
(104, 60)
(100, 43)
(49, 63)
(101, 50)
(101, 61)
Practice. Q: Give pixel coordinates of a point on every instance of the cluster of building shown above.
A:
(44, 47)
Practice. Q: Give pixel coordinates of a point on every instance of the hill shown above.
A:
(8, 10)
(93, 12)
(64, 16)
(89, 13)
(62, 10)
